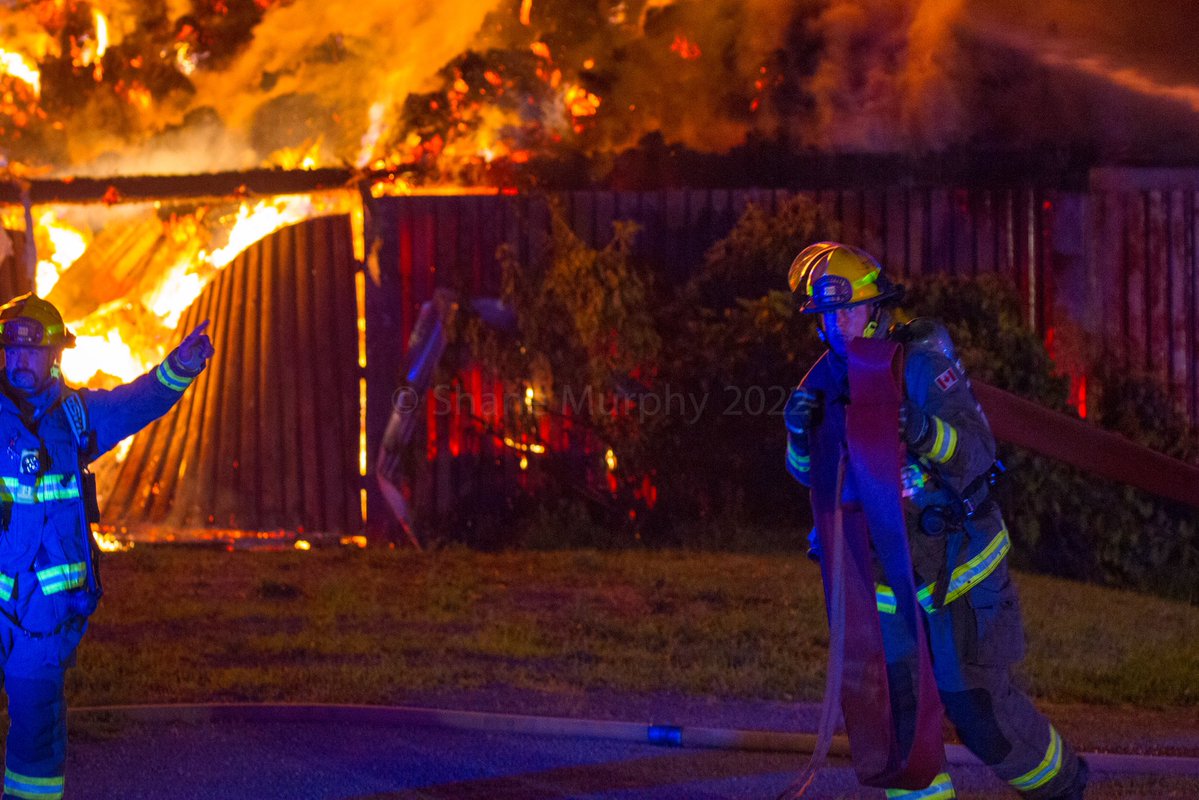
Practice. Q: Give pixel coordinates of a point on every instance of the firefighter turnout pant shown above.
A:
(974, 641)
(38, 638)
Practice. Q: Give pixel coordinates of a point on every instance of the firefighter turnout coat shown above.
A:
(959, 544)
(46, 442)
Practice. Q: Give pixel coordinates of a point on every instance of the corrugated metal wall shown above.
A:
(267, 437)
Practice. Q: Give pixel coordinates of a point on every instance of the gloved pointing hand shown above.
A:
(195, 350)
(802, 407)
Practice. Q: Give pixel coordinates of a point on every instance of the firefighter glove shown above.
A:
(914, 424)
(194, 351)
(801, 410)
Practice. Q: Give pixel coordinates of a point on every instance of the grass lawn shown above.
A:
(374, 626)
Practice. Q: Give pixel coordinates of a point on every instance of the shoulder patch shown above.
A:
(947, 379)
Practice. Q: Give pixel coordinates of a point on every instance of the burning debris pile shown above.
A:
(462, 92)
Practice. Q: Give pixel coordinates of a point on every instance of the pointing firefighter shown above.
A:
(962, 599)
(48, 581)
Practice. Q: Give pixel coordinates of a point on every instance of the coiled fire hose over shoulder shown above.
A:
(852, 536)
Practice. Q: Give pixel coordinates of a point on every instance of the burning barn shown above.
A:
(315, 175)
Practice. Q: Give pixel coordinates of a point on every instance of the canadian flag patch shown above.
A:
(947, 380)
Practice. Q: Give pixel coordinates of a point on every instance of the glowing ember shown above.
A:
(536, 449)
(140, 96)
(186, 58)
(298, 157)
(686, 49)
(581, 102)
(21, 68)
(111, 544)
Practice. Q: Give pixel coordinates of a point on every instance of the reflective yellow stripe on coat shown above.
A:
(62, 578)
(170, 378)
(49, 487)
(964, 577)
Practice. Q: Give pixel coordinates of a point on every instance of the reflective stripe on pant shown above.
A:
(34, 668)
(992, 717)
(36, 752)
(1000, 725)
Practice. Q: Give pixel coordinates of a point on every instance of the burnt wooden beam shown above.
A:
(146, 188)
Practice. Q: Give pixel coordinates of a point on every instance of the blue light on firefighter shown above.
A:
(665, 735)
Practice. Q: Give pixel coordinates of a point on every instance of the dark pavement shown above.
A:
(248, 755)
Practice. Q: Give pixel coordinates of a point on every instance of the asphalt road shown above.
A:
(294, 761)
(112, 756)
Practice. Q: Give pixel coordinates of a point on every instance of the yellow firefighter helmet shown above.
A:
(832, 275)
(29, 321)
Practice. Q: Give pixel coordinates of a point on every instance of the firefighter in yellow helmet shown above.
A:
(957, 537)
(49, 433)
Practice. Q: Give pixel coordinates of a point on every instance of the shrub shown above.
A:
(733, 342)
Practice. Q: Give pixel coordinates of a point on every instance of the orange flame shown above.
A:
(21, 68)
(581, 102)
(65, 245)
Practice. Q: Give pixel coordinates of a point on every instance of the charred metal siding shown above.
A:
(267, 437)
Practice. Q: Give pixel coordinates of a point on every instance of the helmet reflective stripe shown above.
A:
(871, 278)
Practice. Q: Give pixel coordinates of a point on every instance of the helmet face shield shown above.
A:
(30, 321)
(829, 275)
(22, 332)
(831, 291)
